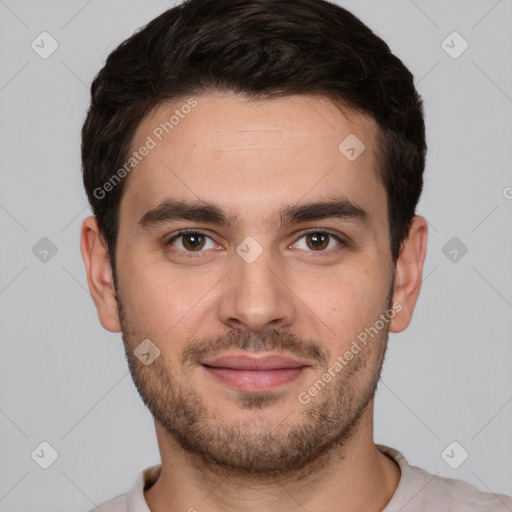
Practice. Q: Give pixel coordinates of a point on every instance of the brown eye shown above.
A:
(193, 241)
(317, 241)
(190, 242)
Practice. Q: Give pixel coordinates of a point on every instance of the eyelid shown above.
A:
(337, 236)
(340, 239)
(184, 232)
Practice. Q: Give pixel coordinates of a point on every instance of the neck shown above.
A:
(348, 477)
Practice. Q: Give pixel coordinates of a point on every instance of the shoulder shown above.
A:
(453, 494)
(419, 490)
(133, 500)
(117, 504)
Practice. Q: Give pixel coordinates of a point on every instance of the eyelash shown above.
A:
(196, 254)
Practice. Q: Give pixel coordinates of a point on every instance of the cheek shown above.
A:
(156, 300)
(147, 297)
(351, 299)
(164, 305)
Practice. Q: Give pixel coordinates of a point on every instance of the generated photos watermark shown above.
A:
(136, 157)
(304, 397)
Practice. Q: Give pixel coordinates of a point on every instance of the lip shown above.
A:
(246, 362)
(250, 374)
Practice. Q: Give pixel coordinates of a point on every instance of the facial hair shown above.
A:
(245, 447)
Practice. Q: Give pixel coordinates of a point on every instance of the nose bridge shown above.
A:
(256, 295)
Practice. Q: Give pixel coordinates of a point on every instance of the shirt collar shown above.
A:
(136, 500)
(408, 480)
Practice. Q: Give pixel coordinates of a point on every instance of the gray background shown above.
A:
(64, 380)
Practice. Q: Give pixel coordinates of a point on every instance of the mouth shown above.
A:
(248, 373)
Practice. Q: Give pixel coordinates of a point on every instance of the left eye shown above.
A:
(318, 241)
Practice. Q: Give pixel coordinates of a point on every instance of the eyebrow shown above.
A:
(201, 211)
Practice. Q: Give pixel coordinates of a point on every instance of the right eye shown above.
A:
(191, 241)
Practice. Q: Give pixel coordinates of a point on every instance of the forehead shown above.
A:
(252, 155)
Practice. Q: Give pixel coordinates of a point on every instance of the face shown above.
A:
(246, 231)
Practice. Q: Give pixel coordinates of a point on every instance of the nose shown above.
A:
(256, 297)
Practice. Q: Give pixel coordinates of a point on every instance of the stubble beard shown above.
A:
(259, 449)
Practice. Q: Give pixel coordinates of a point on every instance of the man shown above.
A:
(254, 167)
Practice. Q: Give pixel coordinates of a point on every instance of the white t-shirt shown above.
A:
(417, 491)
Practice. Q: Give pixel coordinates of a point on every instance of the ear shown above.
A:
(99, 274)
(408, 273)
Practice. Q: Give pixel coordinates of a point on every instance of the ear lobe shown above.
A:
(99, 274)
(409, 272)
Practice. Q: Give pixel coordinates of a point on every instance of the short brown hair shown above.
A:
(261, 49)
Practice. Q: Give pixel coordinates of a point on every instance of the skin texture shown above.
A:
(223, 449)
